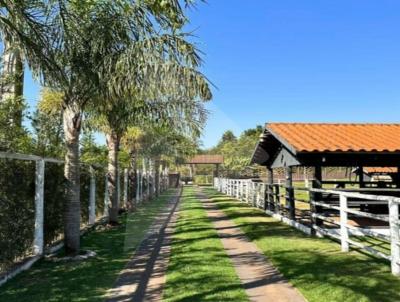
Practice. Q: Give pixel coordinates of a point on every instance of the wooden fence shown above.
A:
(329, 212)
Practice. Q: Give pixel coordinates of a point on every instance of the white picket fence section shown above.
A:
(257, 195)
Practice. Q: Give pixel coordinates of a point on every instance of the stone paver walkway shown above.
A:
(144, 277)
(259, 277)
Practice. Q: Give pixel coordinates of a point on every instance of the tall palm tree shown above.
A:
(68, 45)
(12, 77)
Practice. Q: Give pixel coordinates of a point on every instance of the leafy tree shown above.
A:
(227, 137)
(47, 125)
(237, 152)
(70, 45)
(13, 136)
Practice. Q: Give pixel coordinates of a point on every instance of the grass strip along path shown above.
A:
(88, 280)
(199, 269)
(314, 266)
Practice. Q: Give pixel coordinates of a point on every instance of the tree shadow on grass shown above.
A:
(87, 280)
(199, 269)
(314, 265)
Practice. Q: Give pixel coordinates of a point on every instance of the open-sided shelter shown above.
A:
(321, 145)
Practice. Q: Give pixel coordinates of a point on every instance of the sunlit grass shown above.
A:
(88, 280)
(315, 266)
(199, 269)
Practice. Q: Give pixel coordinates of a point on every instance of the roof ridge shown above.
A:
(332, 123)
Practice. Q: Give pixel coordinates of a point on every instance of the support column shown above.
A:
(269, 198)
(290, 206)
(316, 184)
(396, 179)
(361, 177)
(277, 200)
(38, 241)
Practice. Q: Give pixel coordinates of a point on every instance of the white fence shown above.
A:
(332, 213)
(143, 191)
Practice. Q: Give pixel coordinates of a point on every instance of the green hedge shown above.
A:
(203, 179)
(17, 206)
(17, 210)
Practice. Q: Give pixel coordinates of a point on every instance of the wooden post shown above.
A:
(344, 232)
(92, 197)
(217, 170)
(277, 200)
(38, 241)
(269, 191)
(394, 237)
(397, 178)
(290, 194)
(125, 188)
(317, 184)
(361, 177)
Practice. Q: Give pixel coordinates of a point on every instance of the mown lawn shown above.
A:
(88, 280)
(199, 269)
(315, 266)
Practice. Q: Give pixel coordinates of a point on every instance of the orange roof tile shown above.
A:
(206, 159)
(380, 170)
(309, 137)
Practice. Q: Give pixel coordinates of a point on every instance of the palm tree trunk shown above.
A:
(12, 78)
(72, 209)
(113, 142)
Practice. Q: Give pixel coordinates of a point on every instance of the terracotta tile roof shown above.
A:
(306, 137)
(206, 159)
(380, 170)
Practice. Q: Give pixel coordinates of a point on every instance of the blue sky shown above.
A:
(297, 60)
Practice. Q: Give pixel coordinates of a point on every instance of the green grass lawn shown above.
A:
(199, 269)
(315, 266)
(88, 280)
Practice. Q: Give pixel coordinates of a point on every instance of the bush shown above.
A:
(17, 210)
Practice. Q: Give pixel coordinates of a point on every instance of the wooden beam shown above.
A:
(316, 197)
(269, 196)
(290, 193)
(361, 177)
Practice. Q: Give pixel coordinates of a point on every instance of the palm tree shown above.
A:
(116, 117)
(68, 45)
(12, 77)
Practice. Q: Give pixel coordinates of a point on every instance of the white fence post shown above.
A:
(119, 187)
(125, 188)
(92, 197)
(138, 180)
(38, 242)
(106, 196)
(247, 191)
(394, 237)
(344, 232)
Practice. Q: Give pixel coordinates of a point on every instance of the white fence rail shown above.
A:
(331, 216)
